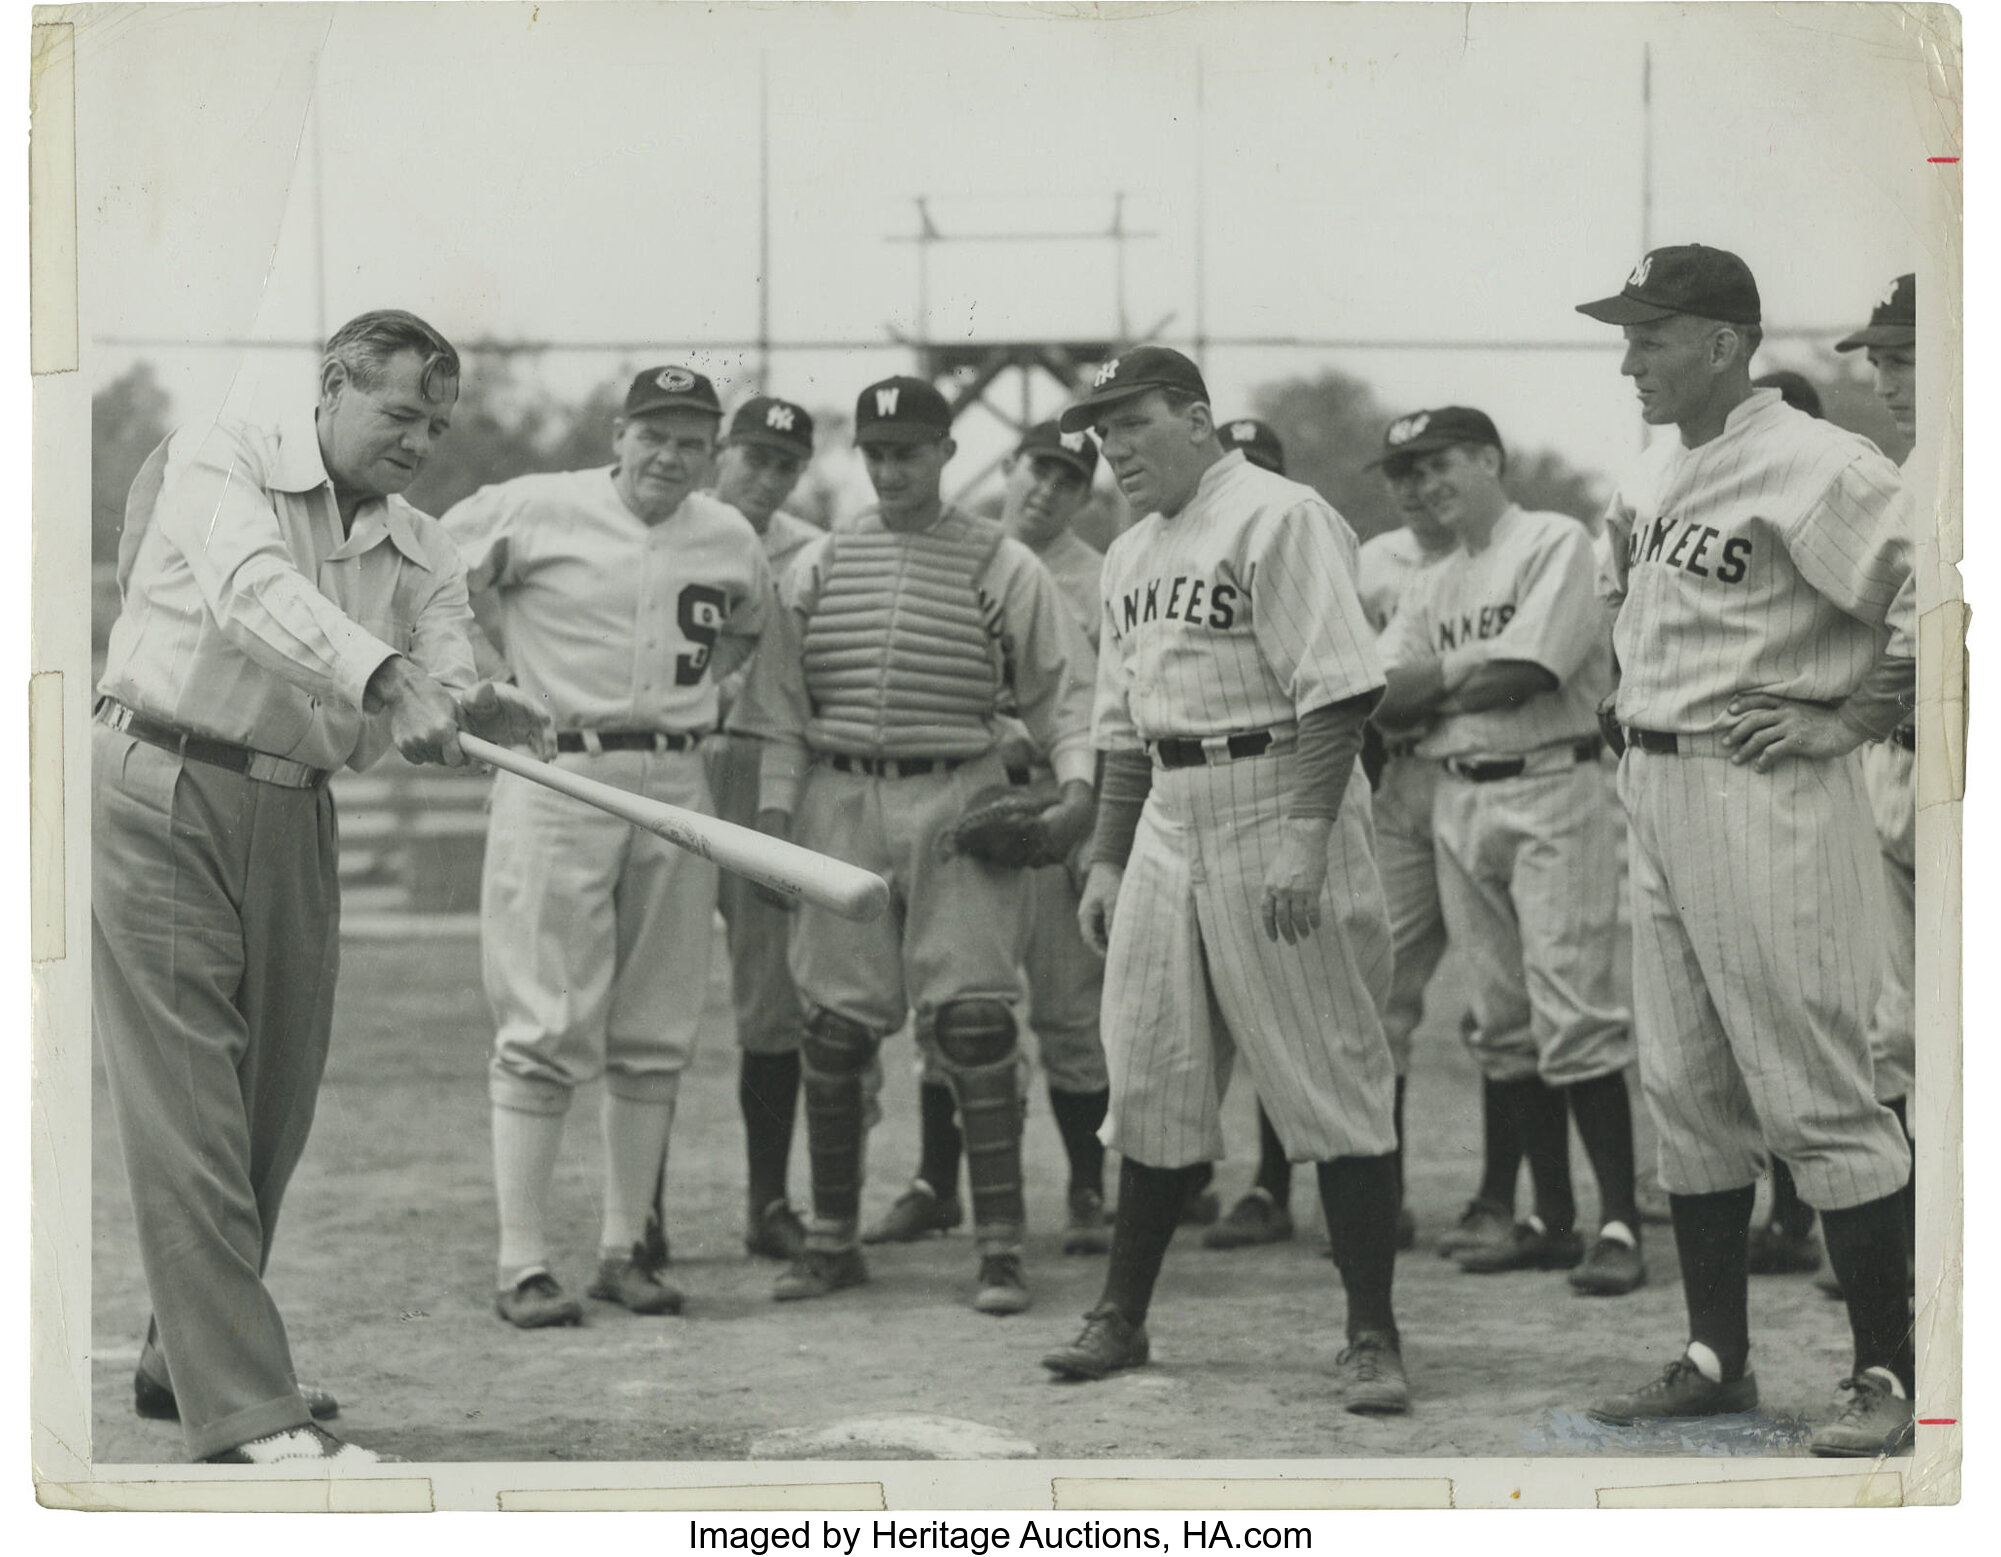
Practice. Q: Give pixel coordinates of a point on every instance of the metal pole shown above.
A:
(319, 228)
(1201, 285)
(1646, 148)
(1119, 263)
(763, 223)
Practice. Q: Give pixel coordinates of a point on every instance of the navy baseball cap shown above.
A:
(672, 389)
(1426, 432)
(1134, 373)
(1685, 278)
(1073, 448)
(1260, 444)
(1893, 321)
(778, 424)
(901, 410)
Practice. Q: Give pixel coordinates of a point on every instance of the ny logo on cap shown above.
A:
(1889, 293)
(1406, 428)
(1244, 431)
(1106, 374)
(676, 381)
(779, 418)
(1640, 272)
(885, 400)
(1074, 442)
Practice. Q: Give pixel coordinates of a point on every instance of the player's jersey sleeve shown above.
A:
(1557, 621)
(1112, 727)
(747, 621)
(1049, 660)
(1612, 549)
(773, 704)
(1853, 543)
(1309, 620)
(1407, 639)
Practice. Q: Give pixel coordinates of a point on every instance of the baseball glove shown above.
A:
(1002, 825)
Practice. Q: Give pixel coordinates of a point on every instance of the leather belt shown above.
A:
(1664, 743)
(892, 767)
(1181, 752)
(626, 740)
(1907, 737)
(1487, 772)
(252, 764)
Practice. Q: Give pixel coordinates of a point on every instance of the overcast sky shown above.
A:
(589, 172)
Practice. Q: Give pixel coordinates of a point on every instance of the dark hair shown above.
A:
(1179, 400)
(367, 342)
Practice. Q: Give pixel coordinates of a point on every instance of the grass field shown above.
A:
(383, 1268)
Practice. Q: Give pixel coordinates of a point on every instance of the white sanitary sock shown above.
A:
(524, 1162)
(635, 1151)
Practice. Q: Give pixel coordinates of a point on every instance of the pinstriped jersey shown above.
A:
(1769, 559)
(1528, 595)
(1238, 614)
(1389, 562)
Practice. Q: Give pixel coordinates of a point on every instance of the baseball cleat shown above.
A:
(1255, 1219)
(536, 1302)
(1524, 1249)
(1003, 1289)
(818, 1272)
(1371, 1371)
(1109, 1343)
(624, 1279)
(155, 1401)
(1088, 1230)
(1201, 1208)
(1682, 1390)
(1871, 1420)
(1482, 1222)
(917, 1212)
(1612, 1269)
(776, 1233)
(1776, 1252)
(311, 1442)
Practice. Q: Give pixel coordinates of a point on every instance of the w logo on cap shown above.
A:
(779, 418)
(1889, 293)
(1244, 431)
(1405, 428)
(1074, 442)
(676, 381)
(1106, 374)
(1640, 272)
(885, 400)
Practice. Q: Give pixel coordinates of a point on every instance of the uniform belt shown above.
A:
(626, 740)
(892, 767)
(258, 765)
(1179, 752)
(1478, 771)
(1906, 736)
(1664, 743)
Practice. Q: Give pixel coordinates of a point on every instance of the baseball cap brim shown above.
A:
(906, 433)
(1070, 457)
(1625, 310)
(1879, 335)
(1084, 414)
(772, 440)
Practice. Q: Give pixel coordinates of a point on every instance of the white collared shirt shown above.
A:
(247, 614)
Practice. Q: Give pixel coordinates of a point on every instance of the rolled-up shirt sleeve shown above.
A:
(214, 509)
(1050, 661)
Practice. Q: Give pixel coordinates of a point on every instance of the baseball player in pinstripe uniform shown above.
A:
(909, 630)
(767, 449)
(1047, 482)
(1889, 767)
(1754, 563)
(1405, 855)
(1232, 881)
(618, 596)
(1502, 648)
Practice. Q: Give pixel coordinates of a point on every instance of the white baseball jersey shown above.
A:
(613, 623)
(1388, 563)
(1766, 560)
(1238, 614)
(1527, 595)
(1079, 571)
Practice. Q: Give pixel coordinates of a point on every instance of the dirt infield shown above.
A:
(384, 1272)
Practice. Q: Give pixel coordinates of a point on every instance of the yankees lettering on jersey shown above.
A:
(1239, 613)
(1528, 595)
(1768, 559)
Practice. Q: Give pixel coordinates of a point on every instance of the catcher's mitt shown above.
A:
(1002, 825)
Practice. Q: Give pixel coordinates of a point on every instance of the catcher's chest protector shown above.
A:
(897, 656)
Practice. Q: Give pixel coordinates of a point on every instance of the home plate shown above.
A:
(892, 1437)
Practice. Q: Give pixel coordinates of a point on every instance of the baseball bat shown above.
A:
(800, 873)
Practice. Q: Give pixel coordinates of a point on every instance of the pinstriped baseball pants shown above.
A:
(1756, 963)
(1190, 978)
(1890, 773)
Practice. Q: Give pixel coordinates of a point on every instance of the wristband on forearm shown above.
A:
(1330, 739)
(1124, 780)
